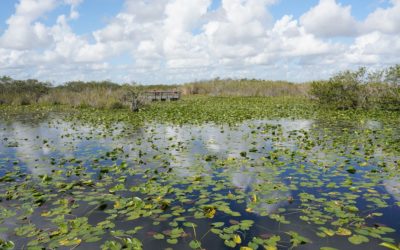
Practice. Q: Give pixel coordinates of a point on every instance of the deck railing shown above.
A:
(162, 95)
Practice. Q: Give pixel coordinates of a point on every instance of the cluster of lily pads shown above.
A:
(203, 173)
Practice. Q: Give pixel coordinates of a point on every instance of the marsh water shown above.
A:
(311, 184)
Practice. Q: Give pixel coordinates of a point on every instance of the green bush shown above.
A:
(390, 98)
(360, 89)
(392, 75)
(116, 105)
(342, 90)
(23, 92)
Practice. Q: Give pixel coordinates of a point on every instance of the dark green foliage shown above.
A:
(342, 90)
(78, 86)
(117, 105)
(391, 97)
(392, 75)
(21, 92)
(360, 89)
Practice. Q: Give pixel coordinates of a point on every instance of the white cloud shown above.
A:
(237, 31)
(74, 14)
(181, 48)
(30, 10)
(179, 40)
(329, 19)
(375, 48)
(119, 29)
(182, 16)
(23, 32)
(295, 41)
(384, 20)
(145, 11)
(242, 12)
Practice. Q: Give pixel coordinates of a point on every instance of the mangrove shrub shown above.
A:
(360, 89)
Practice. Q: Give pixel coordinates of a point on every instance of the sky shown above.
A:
(176, 41)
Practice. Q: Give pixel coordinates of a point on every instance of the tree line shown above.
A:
(357, 89)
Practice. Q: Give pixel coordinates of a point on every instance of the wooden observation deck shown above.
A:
(162, 95)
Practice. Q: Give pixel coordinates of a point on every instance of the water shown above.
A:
(71, 184)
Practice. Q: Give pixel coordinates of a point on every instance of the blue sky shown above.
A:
(96, 13)
(175, 41)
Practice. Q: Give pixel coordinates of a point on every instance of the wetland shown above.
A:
(200, 173)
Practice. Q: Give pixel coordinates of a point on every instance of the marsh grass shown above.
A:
(90, 97)
(108, 95)
(361, 89)
(245, 87)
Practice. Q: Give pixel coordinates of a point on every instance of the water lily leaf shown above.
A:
(195, 244)
(327, 231)
(135, 230)
(305, 218)
(70, 242)
(158, 236)
(215, 230)
(272, 242)
(386, 229)
(358, 239)
(343, 231)
(93, 239)
(111, 245)
(172, 241)
(133, 243)
(390, 246)
(189, 224)
(230, 243)
(296, 239)
(217, 224)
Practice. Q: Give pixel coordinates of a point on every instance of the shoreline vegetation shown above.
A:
(360, 89)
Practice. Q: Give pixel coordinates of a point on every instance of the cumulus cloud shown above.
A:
(328, 19)
(23, 31)
(181, 48)
(384, 20)
(375, 48)
(74, 14)
(239, 30)
(178, 40)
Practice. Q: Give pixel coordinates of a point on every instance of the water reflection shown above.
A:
(249, 182)
(392, 186)
(191, 150)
